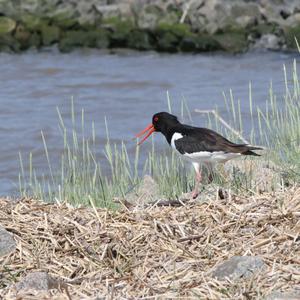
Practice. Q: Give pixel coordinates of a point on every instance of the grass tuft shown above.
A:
(81, 180)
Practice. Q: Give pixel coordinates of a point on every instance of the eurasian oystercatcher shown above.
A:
(201, 146)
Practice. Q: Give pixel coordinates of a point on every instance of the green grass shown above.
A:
(81, 180)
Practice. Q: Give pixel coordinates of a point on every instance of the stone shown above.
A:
(7, 242)
(9, 44)
(7, 25)
(121, 32)
(64, 17)
(79, 38)
(291, 295)
(269, 41)
(50, 34)
(147, 191)
(140, 40)
(32, 22)
(232, 40)
(245, 21)
(23, 36)
(41, 281)
(290, 35)
(200, 43)
(264, 175)
(238, 267)
(293, 20)
(168, 42)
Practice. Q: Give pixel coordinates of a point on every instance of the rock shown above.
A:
(220, 25)
(9, 44)
(50, 34)
(238, 267)
(147, 191)
(200, 43)
(232, 40)
(293, 21)
(7, 242)
(245, 21)
(64, 17)
(121, 32)
(32, 22)
(168, 42)
(7, 25)
(290, 35)
(276, 295)
(140, 40)
(269, 41)
(23, 36)
(264, 176)
(79, 38)
(147, 17)
(37, 281)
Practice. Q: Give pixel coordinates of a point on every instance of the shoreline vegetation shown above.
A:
(164, 26)
(79, 180)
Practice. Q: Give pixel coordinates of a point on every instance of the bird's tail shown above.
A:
(249, 150)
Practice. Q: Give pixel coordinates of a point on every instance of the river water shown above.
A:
(126, 87)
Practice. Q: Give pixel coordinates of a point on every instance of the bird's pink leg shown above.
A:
(198, 179)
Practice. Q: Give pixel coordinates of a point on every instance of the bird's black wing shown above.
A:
(202, 139)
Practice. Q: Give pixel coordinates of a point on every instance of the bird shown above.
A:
(200, 146)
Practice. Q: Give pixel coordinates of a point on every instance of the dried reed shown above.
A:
(155, 252)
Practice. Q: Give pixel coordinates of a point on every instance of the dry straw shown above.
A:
(155, 252)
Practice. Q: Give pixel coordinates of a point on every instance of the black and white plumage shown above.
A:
(198, 145)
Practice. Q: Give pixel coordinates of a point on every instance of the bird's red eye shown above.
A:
(156, 119)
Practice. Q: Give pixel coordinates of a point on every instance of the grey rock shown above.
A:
(238, 267)
(7, 25)
(7, 242)
(146, 192)
(245, 21)
(293, 20)
(264, 175)
(276, 295)
(268, 41)
(37, 281)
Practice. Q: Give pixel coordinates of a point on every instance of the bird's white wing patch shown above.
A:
(210, 157)
(176, 136)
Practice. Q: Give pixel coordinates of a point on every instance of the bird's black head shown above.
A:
(161, 122)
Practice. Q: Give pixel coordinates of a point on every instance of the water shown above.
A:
(127, 88)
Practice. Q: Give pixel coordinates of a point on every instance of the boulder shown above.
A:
(50, 34)
(238, 267)
(269, 41)
(7, 25)
(33, 22)
(291, 34)
(79, 38)
(276, 295)
(199, 43)
(140, 40)
(147, 191)
(232, 40)
(7, 242)
(23, 36)
(41, 281)
(263, 175)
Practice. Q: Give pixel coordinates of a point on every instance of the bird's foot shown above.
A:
(195, 194)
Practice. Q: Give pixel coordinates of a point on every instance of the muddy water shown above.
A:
(127, 88)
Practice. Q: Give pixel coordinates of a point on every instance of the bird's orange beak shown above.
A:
(149, 130)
